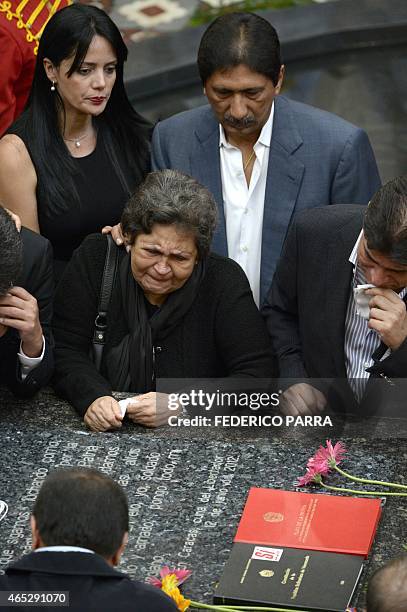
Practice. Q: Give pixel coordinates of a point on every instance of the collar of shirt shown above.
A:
(264, 138)
(353, 257)
(64, 549)
(358, 275)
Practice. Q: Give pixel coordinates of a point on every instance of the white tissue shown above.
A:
(362, 300)
(125, 402)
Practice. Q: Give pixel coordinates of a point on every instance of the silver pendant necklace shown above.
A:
(76, 141)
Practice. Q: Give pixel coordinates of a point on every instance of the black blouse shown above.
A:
(102, 198)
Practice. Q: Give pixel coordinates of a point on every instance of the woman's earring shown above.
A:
(53, 86)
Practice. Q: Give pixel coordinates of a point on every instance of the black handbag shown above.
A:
(106, 286)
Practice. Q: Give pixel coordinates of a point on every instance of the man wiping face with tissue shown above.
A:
(337, 307)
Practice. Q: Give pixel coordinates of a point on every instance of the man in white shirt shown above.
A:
(79, 526)
(318, 330)
(263, 156)
(26, 288)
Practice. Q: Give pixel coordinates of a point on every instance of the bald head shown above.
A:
(387, 590)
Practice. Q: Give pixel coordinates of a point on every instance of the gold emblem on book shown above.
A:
(266, 573)
(273, 517)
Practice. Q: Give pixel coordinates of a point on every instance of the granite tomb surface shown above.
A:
(186, 486)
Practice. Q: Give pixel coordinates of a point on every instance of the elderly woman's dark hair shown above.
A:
(68, 35)
(385, 222)
(240, 38)
(170, 197)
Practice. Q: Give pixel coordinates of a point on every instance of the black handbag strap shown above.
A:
(109, 273)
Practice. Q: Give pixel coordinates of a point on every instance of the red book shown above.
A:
(329, 523)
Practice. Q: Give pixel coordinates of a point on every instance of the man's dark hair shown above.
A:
(11, 252)
(385, 223)
(240, 38)
(82, 507)
(387, 589)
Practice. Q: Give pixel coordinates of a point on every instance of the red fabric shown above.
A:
(16, 71)
(17, 62)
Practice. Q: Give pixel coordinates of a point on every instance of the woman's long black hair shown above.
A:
(124, 133)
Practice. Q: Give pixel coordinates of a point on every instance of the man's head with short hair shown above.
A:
(240, 38)
(11, 252)
(81, 507)
(382, 251)
(385, 223)
(240, 67)
(387, 589)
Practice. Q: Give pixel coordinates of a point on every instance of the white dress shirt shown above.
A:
(29, 363)
(244, 204)
(64, 549)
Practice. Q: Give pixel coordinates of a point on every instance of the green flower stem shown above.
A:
(219, 608)
(202, 606)
(381, 483)
(238, 608)
(359, 492)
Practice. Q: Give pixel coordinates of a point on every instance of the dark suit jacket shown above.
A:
(306, 308)
(37, 278)
(316, 158)
(93, 585)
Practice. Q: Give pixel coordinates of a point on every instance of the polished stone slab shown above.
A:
(186, 486)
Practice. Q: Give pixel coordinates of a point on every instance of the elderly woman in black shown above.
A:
(176, 311)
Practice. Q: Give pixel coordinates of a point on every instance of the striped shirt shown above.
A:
(360, 341)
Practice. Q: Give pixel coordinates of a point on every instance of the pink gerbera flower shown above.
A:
(333, 454)
(312, 475)
(329, 457)
(180, 574)
(319, 464)
(336, 452)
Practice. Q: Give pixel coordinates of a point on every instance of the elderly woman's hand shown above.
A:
(150, 409)
(103, 414)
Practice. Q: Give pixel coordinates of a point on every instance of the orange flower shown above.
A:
(180, 601)
(169, 586)
(169, 583)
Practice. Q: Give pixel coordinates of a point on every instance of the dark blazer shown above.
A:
(37, 278)
(316, 158)
(221, 335)
(306, 308)
(93, 585)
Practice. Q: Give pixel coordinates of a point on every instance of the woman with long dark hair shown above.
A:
(69, 163)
